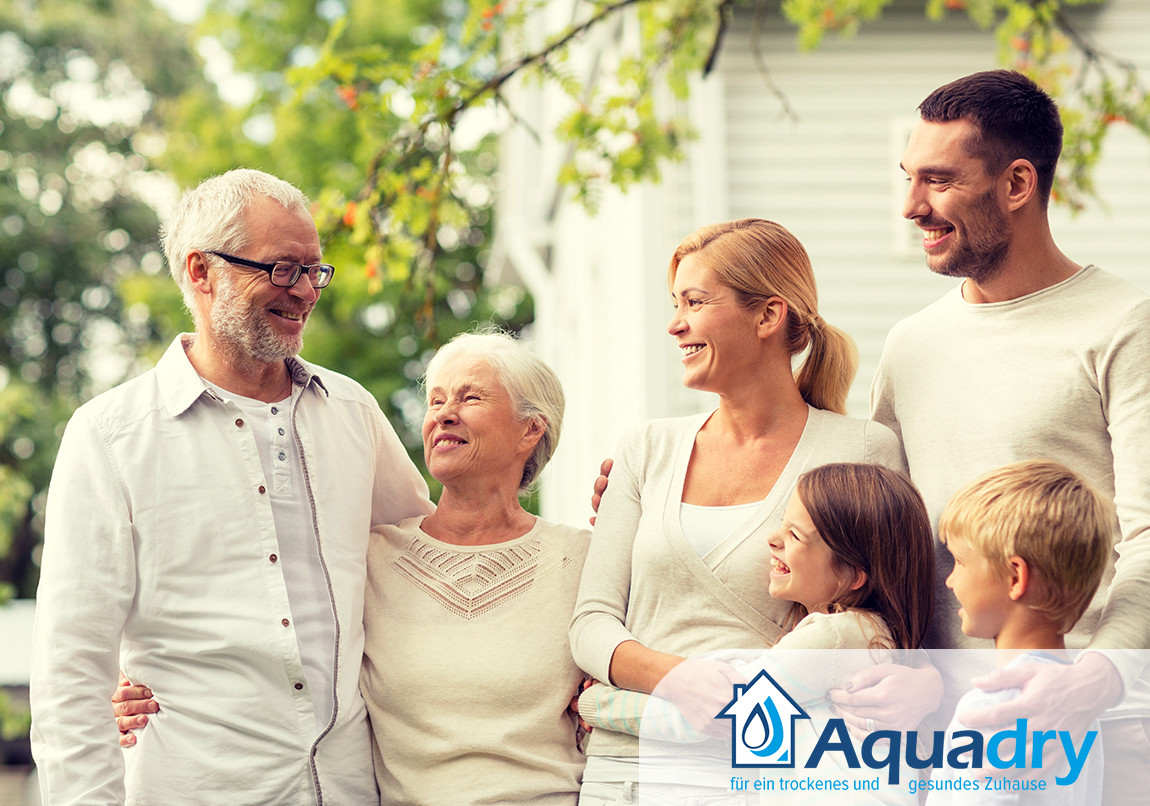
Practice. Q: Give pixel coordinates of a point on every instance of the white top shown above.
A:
(468, 673)
(1085, 791)
(1061, 374)
(707, 527)
(314, 620)
(643, 581)
(161, 557)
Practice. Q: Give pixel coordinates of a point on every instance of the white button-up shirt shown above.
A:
(160, 558)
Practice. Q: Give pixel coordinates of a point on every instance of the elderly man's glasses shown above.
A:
(284, 273)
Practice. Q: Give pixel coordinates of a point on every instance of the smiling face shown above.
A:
(803, 567)
(983, 593)
(248, 314)
(470, 431)
(954, 201)
(716, 334)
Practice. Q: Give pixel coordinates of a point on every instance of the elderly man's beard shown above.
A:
(243, 324)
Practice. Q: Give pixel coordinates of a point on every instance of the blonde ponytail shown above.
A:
(825, 376)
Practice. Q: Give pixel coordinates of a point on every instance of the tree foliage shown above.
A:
(77, 217)
(77, 196)
(618, 134)
(384, 313)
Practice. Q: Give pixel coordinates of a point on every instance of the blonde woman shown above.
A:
(679, 560)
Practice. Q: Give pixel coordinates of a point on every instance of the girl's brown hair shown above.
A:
(760, 259)
(874, 520)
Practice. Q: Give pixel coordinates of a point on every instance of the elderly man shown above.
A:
(207, 524)
(1031, 356)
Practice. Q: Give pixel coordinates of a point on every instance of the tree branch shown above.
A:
(501, 78)
(411, 142)
(1091, 53)
(757, 28)
(517, 118)
(724, 12)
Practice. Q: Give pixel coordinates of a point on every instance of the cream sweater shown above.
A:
(1062, 374)
(467, 671)
(643, 581)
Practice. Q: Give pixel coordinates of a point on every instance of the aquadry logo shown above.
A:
(762, 718)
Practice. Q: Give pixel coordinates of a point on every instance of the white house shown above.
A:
(831, 177)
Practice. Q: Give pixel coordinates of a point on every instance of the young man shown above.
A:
(207, 525)
(1032, 355)
(1030, 542)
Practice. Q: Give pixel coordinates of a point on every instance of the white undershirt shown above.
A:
(707, 527)
(307, 589)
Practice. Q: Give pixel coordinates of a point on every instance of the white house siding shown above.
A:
(830, 176)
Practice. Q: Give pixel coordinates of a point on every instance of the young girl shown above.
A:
(855, 556)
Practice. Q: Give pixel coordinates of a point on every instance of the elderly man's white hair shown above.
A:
(211, 217)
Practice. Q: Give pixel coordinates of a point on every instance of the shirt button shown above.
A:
(282, 456)
(285, 622)
(281, 431)
(275, 410)
(299, 686)
(239, 423)
(262, 489)
(273, 558)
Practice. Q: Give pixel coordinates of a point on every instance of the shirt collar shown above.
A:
(181, 385)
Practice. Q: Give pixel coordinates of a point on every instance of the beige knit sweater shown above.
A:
(467, 670)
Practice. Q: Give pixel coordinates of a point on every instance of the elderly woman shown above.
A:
(680, 559)
(467, 670)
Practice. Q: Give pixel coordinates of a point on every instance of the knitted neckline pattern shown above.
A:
(470, 584)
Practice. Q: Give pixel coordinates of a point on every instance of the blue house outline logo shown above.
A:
(762, 718)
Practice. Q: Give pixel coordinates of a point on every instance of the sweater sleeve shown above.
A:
(1124, 386)
(399, 492)
(882, 410)
(609, 708)
(884, 447)
(801, 662)
(819, 631)
(597, 626)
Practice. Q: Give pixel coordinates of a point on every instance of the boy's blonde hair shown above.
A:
(1049, 516)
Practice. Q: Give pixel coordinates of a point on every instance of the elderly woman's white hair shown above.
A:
(534, 388)
(211, 217)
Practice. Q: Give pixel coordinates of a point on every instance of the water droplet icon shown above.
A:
(756, 730)
(769, 725)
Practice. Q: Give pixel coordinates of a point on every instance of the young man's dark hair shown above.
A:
(1013, 117)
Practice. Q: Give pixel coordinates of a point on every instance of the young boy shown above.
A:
(1030, 543)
